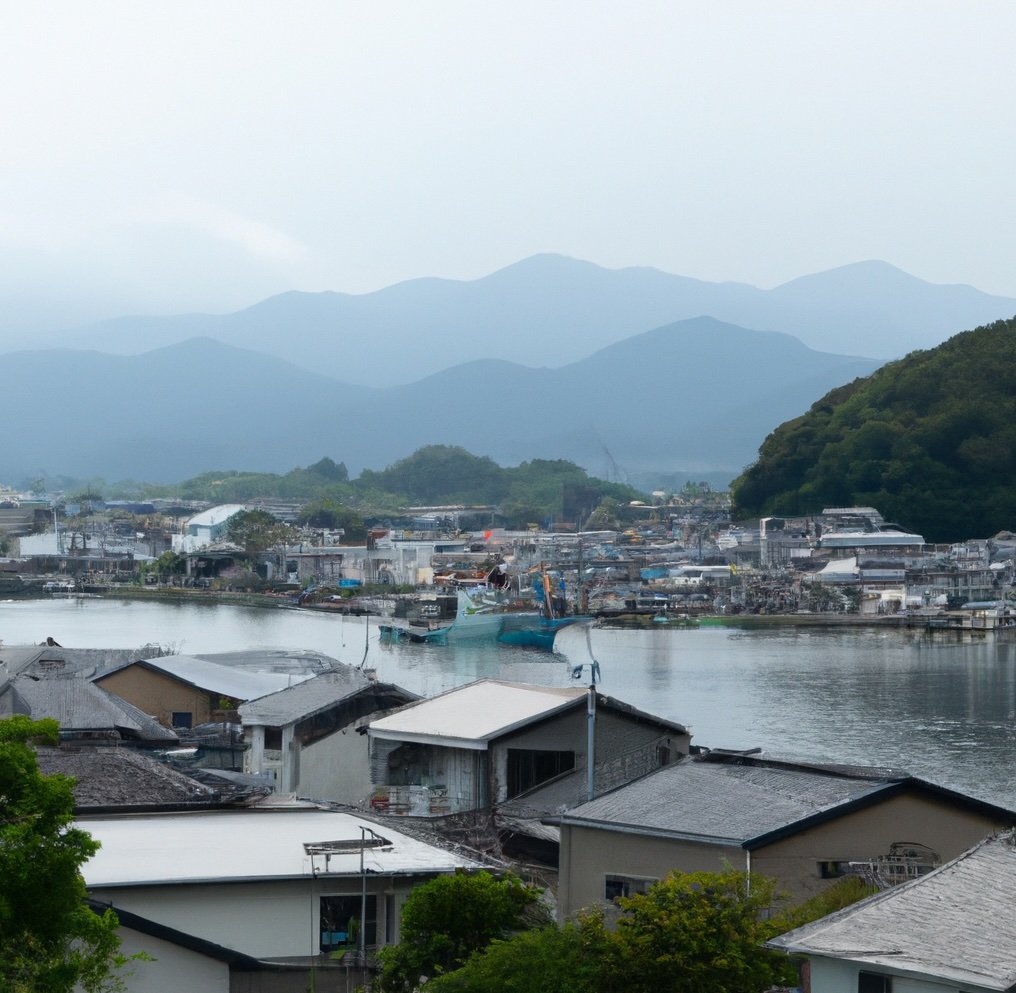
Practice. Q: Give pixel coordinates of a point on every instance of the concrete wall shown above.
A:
(337, 767)
(946, 829)
(588, 856)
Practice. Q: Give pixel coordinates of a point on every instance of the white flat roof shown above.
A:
(470, 716)
(247, 845)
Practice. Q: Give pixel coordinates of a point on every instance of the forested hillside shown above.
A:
(534, 491)
(930, 440)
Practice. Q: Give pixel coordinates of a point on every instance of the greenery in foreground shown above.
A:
(930, 440)
(690, 932)
(50, 941)
(537, 491)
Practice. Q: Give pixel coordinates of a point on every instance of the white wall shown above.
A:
(835, 976)
(258, 919)
(337, 767)
(172, 968)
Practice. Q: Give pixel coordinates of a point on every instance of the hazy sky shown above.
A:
(173, 156)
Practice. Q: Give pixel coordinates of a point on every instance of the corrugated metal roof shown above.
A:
(231, 681)
(295, 660)
(719, 802)
(233, 846)
(954, 925)
(471, 716)
(79, 705)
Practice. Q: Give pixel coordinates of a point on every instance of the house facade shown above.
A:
(802, 825)
(182, 691)
(304, 737)
(480, 746)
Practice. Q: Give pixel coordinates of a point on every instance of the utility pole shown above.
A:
(594, 675)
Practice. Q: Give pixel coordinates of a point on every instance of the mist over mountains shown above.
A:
(694, 395)
(549, 310)
(550, 358)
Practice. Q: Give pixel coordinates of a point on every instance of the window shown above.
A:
(832, 869)
(340, 922)
(182, 719)
(618, 886)
(874, 982)
(528, 768)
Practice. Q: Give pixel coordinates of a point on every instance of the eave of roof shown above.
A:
(569, 820)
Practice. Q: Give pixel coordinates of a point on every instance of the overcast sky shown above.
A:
(173, 156)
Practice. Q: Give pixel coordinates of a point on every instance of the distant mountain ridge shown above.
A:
(691, 395)
(552, 310)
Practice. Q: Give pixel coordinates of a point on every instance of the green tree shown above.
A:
(329, 470)
(170, 563)
(328, 513)
(552, 959)
(689, 932)
(50, 941)
(449, 918)
(605, 515)
(840, 894)
(696, 931)
(255, 531)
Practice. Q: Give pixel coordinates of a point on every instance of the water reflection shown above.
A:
(934, 705)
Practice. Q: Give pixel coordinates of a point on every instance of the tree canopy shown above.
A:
(930, 440)
(255, 531)
(446, 920)
(329, 513)
(537, 491)
(50, 941)
(687, 933)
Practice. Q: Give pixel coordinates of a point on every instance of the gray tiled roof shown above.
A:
(115, 777)
(956, 924)
(303, 699)
(79, 705)
(725, 803)
(46, 660)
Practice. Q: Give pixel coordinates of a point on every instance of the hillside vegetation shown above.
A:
(534, 491)
(930, 440)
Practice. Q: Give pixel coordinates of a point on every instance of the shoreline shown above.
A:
(276, 600)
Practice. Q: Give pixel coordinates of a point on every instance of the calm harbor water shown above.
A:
(935, 706)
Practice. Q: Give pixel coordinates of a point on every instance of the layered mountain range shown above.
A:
(550, 358)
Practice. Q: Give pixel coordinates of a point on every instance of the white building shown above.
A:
(206, 528)
(268, 892)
